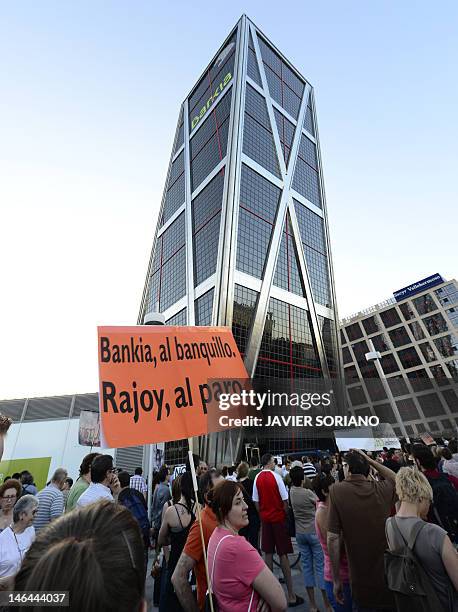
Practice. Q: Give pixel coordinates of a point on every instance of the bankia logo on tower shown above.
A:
(421, 285)
(217, 87)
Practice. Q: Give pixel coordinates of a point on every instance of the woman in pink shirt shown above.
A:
(239, 577)
(321, 486)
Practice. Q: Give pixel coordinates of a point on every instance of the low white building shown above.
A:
(44, 436)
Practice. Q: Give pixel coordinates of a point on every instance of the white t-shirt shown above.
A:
(13, 547)
(95, 492)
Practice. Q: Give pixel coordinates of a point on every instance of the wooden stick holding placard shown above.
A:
(199, 518)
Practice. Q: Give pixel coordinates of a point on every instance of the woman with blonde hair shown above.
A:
(432, 546)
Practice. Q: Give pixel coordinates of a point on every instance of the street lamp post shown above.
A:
(374, 357)
(152, 318)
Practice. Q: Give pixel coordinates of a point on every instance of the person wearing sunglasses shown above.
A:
(17, 538)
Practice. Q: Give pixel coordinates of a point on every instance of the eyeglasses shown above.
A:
(9, 497)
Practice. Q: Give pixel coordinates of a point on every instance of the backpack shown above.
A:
(444, 508)
(139, 512)
(406, 578)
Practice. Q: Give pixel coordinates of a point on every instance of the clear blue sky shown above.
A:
(89, 95)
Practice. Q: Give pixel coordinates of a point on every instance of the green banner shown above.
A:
(38, 467)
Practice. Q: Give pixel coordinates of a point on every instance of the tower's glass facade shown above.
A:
(242, 238)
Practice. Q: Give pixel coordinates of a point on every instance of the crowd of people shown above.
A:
(352, 517)
(345, 511)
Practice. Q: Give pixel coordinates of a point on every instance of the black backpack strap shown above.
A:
(413, 534)
(396, 529)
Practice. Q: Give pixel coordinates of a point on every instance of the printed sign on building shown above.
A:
(158, 456)
(422, 285)
(89, 428)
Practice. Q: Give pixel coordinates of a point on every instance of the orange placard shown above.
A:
(158, 384)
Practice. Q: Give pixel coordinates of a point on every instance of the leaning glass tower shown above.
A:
(242, 238)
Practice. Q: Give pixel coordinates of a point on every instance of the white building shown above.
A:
(416, 332)
(46, 429)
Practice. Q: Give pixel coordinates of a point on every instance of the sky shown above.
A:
(89, 98)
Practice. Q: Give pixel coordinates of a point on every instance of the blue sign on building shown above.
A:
(418, 287)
